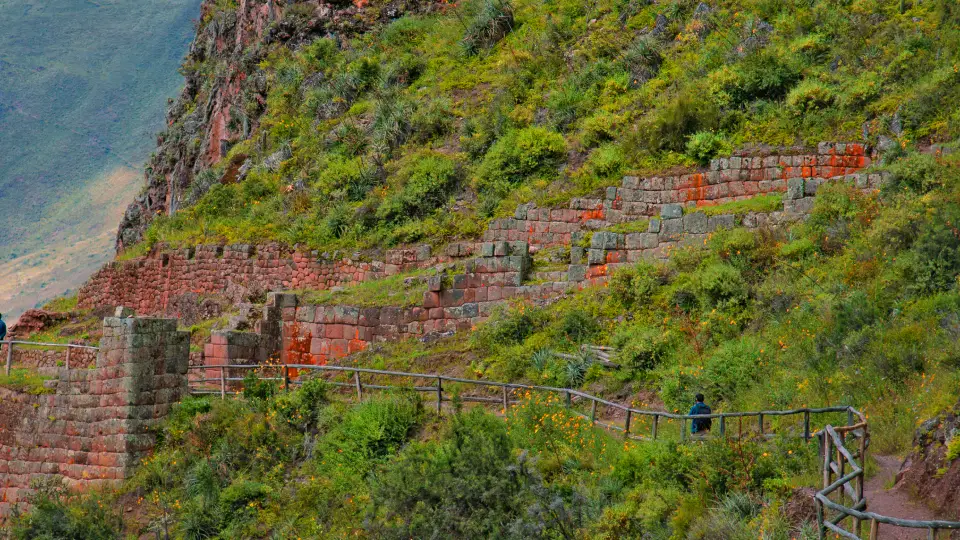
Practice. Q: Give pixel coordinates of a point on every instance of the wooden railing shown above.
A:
(439, 386)
(847, 466)
(69, 346)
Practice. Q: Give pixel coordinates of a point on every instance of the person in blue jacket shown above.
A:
(3, 328)
(700, 425)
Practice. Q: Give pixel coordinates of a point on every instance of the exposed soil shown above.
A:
(894, 502)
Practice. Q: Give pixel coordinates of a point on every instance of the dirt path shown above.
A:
(893, 502)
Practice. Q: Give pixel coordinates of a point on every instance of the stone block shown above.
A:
(611, 193)
(577, 254)
(654, 226)
(671, 211)
(671, 230)
(795, 188)
(695, 223)
(725, 221)
(596, 256)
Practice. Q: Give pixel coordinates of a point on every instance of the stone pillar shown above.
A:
(96, 424)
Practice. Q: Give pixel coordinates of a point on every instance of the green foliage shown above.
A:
(426, 185)
(56, 513)
(809, 96)
(25, 380)
(468, 486)
(517, 157)
(704, 146)
(493, 21)
(762, 75)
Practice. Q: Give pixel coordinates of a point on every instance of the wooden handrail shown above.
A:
(41, 344)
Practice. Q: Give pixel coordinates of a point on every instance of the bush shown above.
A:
(704, 146)
(722, 285)
(55, 513)
(467, 486)
(669, 126)
(762, 75)
(518, 156)
(634, 286)
(493, 22)
(808, 96)
(426, 185)
(641, 348)
(578, 326)
(731, 369)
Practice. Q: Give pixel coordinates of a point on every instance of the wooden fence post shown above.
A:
(826, 458)
(593, 412)
(9, 355)
(359, 387)
(506, 402)
(567, 398)
(286, 378)
(683, 429)
(223, 383)
(806, 425)
(821, 530)
(760, 417)
(723, 426)
(656, 419)
(626, 427)
(69, 348)
(874, 529)
(439, 393)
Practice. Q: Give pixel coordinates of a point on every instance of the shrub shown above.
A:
(426, 185)
(578, 326)
(634, 286)
(493, 22)
(669, 126)
(704, 146)
(921, 173)
(762, 75)
(467, 486)
(508, 327)
(301, 408)
(641, 348)
(810, 95)
(55, 513)
(731, 369)
(518, 156)
(722, 285)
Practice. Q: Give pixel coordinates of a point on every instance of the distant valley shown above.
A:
(83, 86)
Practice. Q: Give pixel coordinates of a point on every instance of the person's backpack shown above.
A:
(703, 424)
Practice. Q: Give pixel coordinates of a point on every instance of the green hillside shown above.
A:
(488, 103)
(82, 93)
(425, 128)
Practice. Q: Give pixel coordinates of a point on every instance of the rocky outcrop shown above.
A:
(225, 91)
(928, 472)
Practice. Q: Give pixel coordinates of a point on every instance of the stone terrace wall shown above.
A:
(150, 284)
(315, 334)
(730, 179)
(95, 428)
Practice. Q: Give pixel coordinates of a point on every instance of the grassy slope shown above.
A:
(405, 126)
(82, 88)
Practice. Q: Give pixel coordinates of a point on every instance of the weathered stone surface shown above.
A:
(97, 425)
(695, 223)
